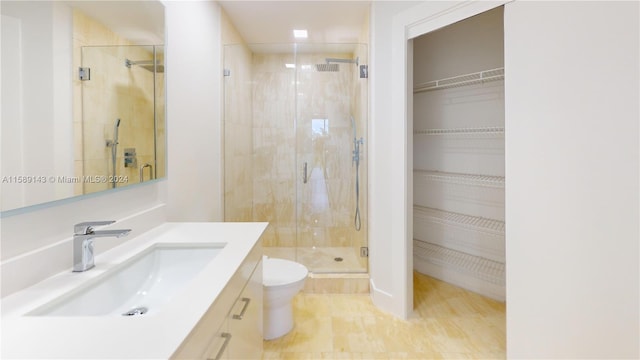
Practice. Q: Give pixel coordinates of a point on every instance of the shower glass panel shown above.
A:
(120, 131)
(330, 114)
(290, 129)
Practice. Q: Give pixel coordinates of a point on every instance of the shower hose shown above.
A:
(356, 160)
(356, 220)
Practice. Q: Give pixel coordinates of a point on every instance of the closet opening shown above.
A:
(459, 161)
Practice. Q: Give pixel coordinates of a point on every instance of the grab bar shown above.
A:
(142, 171)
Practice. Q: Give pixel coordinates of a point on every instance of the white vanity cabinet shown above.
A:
(232, 327)
(245, 320)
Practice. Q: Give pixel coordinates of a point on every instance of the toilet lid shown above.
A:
(281, 272)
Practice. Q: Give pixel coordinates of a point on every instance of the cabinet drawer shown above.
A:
(218, 349)
(245, 320)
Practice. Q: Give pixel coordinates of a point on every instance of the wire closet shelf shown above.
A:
(491, 131)
(461, 80)
(460, 179)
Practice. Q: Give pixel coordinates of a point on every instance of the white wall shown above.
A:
(12, 134)
(572, 159)
(193, 61)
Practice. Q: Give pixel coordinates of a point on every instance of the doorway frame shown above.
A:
(406, 26)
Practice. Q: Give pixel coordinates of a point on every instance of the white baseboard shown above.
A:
(381, 298)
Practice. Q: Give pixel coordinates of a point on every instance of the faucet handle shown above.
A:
(86, 227)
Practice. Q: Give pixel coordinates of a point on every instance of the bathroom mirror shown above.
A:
(83, 106)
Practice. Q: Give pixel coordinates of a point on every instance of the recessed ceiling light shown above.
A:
(290, 66)
(300, 34)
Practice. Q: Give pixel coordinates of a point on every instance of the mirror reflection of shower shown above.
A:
(135, 94)
(113, 144)
(357, 222)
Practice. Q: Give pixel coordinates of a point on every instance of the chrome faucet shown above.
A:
(83, 235)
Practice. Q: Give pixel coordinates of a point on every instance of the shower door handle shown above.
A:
(304, 173)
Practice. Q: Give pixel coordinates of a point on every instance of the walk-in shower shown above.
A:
(295, 155)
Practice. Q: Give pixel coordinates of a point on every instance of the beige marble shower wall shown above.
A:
(274, 170)
(238, 126)
(114, 92)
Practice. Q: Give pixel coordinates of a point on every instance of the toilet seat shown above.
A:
(278, 272)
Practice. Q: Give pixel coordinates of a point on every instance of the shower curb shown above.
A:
(337, 283)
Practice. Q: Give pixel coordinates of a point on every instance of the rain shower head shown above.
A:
(146, 64)
(328, 67)
(331, 65)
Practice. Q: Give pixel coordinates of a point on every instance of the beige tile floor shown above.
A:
(449, 323)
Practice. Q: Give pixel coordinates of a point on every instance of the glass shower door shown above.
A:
(330, 197)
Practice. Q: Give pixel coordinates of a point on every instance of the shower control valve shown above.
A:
(130, 157)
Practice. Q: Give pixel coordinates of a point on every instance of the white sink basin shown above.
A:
(138, 286)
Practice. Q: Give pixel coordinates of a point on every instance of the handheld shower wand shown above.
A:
(115, 133)
(114, 151)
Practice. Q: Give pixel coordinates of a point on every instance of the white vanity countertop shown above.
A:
(156, 336)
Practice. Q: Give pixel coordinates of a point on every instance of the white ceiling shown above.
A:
(273, 21)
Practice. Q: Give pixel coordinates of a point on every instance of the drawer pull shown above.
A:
(244, 309)
(226, 337)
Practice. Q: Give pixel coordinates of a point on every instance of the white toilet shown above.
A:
(281, 279)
